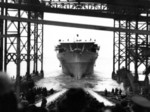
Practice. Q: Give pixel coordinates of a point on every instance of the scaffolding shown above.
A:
(21, 30)
(22, 41)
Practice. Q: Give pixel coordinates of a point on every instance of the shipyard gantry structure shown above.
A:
(21, 30)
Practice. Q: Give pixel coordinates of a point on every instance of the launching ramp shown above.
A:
(52, 97)
(99, 98)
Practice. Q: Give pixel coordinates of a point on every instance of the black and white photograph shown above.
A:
(74, 55)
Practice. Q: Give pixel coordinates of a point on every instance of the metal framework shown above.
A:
(127, 15)
(21, 23)
(25, 43)
(127, 47)
(95, 9)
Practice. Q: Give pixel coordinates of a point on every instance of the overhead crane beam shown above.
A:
(76, 25)
(129, 3)
(101, 12)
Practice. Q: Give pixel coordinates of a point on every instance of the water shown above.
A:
(55, 79)
(97, 82)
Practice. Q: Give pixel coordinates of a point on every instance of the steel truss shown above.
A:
(27, 45)
(12, 9)
(127, 47)
(96, 9)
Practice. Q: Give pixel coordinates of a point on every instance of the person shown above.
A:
(106, 92)
(8, 100)
(44, 101)
(43, 107)
(120, 91)
(113, 91)
(116, 91)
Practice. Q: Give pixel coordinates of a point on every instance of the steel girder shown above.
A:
(127, 50)
(38, 48)
(95, 9)
(1, 39)
(100, 7)
(127, 47)
(27, 45)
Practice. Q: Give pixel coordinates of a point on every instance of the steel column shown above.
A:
(127, 46)
(40, 48)
(18, 59)
(5, 48)
(35, 48)
(1, 39)
(136, 54)
(42, 71)
(28, 47)
(120, 45)
(27, 33)
(114, 55)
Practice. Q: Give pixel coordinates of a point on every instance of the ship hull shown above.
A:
(76, 64)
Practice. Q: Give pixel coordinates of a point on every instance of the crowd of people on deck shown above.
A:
(74, 100)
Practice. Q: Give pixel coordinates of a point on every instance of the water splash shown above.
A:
(98, 82)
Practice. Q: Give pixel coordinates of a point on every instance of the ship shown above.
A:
(77, 58)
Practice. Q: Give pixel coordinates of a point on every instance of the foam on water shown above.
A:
(98, 82)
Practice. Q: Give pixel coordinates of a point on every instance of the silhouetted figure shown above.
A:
(116, 91)
(31, 96)
(43, 105)
(51, 91)
(112, 91)
(44, 101)
(44, 92)
(8, 101)
(106, 92)
(120, 91)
